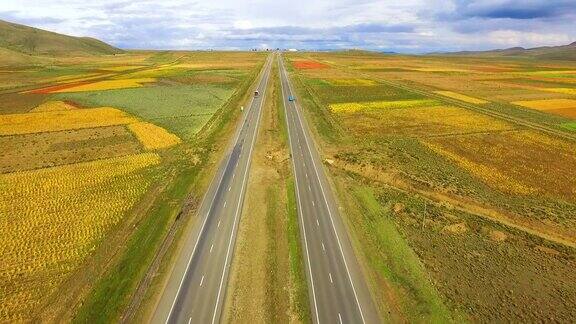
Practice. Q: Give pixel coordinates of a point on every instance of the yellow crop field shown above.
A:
(352, 82)
(438, 69)
(87, 77)
(53, 106)
(51, 219)
(220, 64)
(490, 175)
(65, 78)
(198, 65)
(149, 73)
(358, 106)
(108, 85)
(547, 104)
(153, 137)
(49, 121)
(123, 68)
(570, 91)
(461, 97)
(422, 121)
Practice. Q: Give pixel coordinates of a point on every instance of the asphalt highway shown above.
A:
(338, 291)
(196, 287)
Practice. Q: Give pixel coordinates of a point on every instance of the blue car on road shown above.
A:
(291, 98)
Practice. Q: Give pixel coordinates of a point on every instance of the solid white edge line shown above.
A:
(241, 193)
(237, 136)
(327, 207)
(282, 71)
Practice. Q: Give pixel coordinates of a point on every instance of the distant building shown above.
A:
(292, 50)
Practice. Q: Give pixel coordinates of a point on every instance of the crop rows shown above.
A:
(51, 219)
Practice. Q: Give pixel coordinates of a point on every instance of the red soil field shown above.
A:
(566, 112)
(309, 65)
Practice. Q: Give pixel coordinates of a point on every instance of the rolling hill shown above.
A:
(563, 52)
(16, 38)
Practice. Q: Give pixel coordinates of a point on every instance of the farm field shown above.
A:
(456, 177)
(102, 148)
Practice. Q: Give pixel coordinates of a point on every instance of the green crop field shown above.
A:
(183, 109)
(460, 167)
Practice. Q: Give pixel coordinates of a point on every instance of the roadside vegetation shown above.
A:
(451, 170)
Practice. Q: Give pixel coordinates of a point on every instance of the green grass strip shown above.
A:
(392, 257)
(569, 126)
(296, 258)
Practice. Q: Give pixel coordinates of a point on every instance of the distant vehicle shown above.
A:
(256, 93)
(291, 98)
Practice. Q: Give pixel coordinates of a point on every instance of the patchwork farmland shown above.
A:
(456, 175)
(101, 149)
(453, 176)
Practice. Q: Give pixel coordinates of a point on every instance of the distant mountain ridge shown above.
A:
(37, 42)
(562, 52)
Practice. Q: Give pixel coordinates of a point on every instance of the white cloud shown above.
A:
(243, 24)
(528, 39)
(409, 25)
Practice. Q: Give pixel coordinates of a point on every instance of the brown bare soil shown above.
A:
(16, 103)
(566, 112)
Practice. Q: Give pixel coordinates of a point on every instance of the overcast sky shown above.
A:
(411, 26)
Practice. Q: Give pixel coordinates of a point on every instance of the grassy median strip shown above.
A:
(298, 277)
